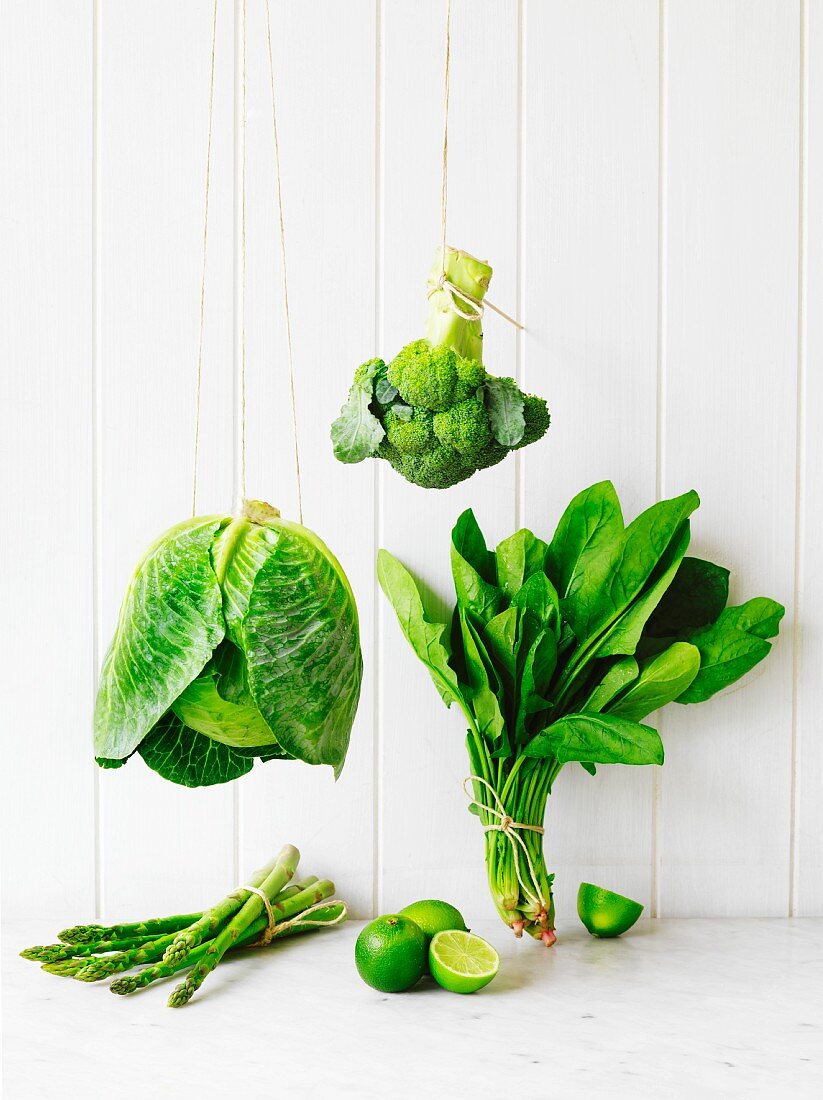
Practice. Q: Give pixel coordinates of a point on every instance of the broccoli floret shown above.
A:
(434, 378)
(536, 415)
(465, 427)
(410, 437)
(492, 454)
(438, 468)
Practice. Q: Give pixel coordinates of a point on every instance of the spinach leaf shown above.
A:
(425, 637)
(539, 598)
(483, 686)
(592, 519)
(468, 541)
(357, 433)
(619, 675)
(534, 680)
(598, 739)
(617, 572)
(695, 598)
(500, 636)
(504, 403)
(732, 646)
(625, 633)
(474, 594)
(661, 680)
(519, 557)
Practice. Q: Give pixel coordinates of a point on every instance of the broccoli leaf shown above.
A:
(403, 412)
(424, 636)
(504, 403)
(384, 391)
(661, 680)
(357, 433)
(598, 739)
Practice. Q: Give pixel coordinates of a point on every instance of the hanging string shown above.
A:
(283, 266)
(444, 186)
(476, 305)
(203, 270)
(243, 274)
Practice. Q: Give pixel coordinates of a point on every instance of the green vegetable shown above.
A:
(433, 412)
(555, 653)
(238, 639)
(195, 941)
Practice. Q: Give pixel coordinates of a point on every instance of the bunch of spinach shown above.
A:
(556, 652)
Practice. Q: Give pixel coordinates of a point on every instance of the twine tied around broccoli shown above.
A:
(506, 825)
(477, 305)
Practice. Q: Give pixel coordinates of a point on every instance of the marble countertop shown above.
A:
(716, 1008)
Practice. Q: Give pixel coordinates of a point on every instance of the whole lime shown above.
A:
(433, 917)
(605, 913)
(390, 953)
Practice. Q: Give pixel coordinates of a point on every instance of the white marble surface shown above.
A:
(716, 1008)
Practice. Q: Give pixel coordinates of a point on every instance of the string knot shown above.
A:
(510, 828)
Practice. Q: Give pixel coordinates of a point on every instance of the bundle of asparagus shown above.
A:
(195, 941)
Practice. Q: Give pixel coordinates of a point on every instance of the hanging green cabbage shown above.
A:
(238, 639)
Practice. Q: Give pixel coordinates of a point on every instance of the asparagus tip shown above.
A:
(181, 995)
(126, 984)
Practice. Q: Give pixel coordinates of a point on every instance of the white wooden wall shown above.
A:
(646, 178)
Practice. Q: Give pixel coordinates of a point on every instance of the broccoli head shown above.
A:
(433, 412)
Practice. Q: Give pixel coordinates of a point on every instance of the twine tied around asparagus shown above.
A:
(266, 935)
(506, 825)
(273, 927)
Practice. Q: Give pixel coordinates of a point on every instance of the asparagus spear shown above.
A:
(101, 966)
(283, 870)
(97, 933)
(213, 919)
(129, 983)
(56, 952)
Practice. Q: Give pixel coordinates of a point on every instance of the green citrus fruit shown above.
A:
(433, 917)
(390, 953)
(605, 913)
(461, 962)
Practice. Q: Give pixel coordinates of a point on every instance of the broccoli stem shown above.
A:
(444, 325)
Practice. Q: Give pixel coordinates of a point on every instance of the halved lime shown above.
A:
(605, 913)
(461, 962)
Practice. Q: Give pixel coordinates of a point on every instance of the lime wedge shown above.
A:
(461, 962)
(605, 913)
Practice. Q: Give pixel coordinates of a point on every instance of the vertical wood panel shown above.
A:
(45, 329)
(430, 843)
(731, 362)
(590, 234)
(809, 821)
(162, 845)
(325, 81)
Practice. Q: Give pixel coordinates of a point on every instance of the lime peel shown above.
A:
(605, 913)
